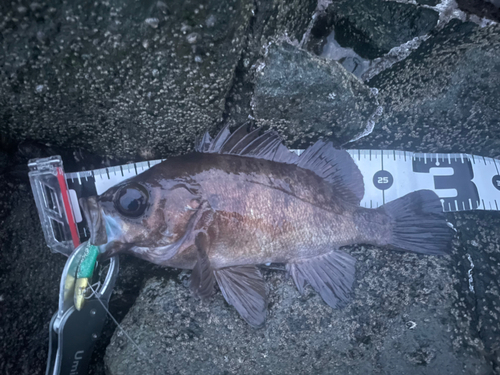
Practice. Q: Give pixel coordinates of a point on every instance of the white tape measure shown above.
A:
(463, 182)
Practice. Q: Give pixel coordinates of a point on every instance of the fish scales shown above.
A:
(278, 212)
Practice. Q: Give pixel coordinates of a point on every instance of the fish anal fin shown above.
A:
(331, 275)
(243, 287)
(202, 277)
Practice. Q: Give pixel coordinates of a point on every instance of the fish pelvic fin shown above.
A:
(244, 288)
(331, 275)
(335, 166)
(418, 224)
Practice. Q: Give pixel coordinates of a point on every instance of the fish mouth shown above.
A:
(95, 221)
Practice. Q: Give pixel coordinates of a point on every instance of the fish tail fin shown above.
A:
(418, 224)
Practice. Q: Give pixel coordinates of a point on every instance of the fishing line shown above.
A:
(121, 328)
(117, 324)
(97, 285)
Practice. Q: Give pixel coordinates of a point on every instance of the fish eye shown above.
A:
(131, 200)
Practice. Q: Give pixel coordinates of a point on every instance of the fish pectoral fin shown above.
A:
(244, 288)
(202, 277)
(331, 275)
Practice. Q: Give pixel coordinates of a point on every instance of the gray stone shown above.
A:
(29, 278)
(349, 59)
(428, 2)
(273, 19)
(4, 160)
(306, 97)
(280, 18)
(479, 255)
(373, 27)
(444, 96)
(407, 316)
(489, 9)
(89, 81)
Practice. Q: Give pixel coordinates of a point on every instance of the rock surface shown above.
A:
(372, 28)
(125, 79)
(482, 8)
(480, 258)
(273, 20)
(428, 2)
(443, 97)
(306, 97)
(29, 275)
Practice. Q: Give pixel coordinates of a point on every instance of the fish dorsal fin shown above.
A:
(220, 139)
(235, 138)
(203, 144)
(335, 166)
(244, 142)
(266, 146)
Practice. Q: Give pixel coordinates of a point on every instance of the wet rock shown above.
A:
(443, 97)
(372, 28)
(29, 275)
(479, 292)
(306, 97)
(481, 8)
(406, 316)
(4, 161)
(428, 2)
(280, 18)
(349, 59)
(90, 82)
(272, 20)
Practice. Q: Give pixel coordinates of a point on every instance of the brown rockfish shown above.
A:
(242, 200)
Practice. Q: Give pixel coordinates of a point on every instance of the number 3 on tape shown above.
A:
(462, 181)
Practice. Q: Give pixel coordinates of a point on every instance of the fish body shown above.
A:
(268, 212)
(242, 200)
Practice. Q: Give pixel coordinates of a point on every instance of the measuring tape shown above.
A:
(463, 182)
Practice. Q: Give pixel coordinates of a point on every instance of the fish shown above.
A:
(241, 200)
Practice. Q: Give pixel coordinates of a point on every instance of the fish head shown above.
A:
(150, 219)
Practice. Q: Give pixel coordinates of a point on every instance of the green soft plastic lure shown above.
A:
(84, 274)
